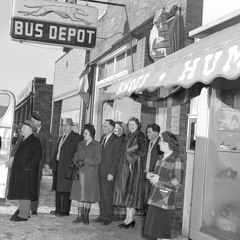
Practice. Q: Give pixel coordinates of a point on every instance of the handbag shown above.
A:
(72, 172)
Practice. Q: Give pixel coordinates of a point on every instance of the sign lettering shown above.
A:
(54, 23)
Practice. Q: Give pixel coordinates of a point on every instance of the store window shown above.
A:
(221, 209)
(191, 134)
(119, 63)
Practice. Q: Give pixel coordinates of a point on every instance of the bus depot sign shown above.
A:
(52, 22)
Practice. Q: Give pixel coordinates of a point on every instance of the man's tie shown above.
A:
(60, 145)
(103, 142)
(63, 138)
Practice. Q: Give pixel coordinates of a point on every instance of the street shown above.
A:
(47, 226)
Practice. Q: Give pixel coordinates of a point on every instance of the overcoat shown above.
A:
(45, 138)
(59, 168)
(129, 190)
(23, 183)
(155, 154)
(86, 189)
(171, 174)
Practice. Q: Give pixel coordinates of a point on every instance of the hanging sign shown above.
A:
(52, 22)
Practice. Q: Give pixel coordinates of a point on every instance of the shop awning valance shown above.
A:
(217, 55)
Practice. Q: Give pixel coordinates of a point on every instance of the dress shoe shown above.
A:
(131, 224)
(79, 219)
(98, 220)
(121, 225)
(105, 222)
(15, 213)
(62, 214)
(54, 212)
(18, 219)
(34, 213)
(116, 218)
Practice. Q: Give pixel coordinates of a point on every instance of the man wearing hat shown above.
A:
(62, 158)
(23, 183)
(45, 138)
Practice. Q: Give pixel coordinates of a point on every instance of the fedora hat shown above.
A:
(67, 121)
(36, 116)
(30, 124)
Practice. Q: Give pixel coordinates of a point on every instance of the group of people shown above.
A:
(123, 172)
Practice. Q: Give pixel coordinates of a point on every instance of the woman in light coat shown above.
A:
(85, 190)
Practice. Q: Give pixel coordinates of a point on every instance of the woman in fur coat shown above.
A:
(128, 188)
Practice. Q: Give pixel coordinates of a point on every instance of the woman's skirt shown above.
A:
(158, 222)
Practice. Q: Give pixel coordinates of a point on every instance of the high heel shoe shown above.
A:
(131, 224)
(121, 225)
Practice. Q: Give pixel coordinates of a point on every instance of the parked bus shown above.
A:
(7, 108)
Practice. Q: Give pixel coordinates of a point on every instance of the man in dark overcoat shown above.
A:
(62, 158)
(23, 183)
(153, 153)
(44, 136)
(111, 149)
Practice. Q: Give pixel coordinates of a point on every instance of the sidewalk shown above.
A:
(47, 226)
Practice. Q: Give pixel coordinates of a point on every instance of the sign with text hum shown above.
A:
(52, 22)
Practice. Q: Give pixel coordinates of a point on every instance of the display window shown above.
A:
(221, 200)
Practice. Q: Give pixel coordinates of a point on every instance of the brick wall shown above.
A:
(43, 103)
(67, 71)
(112, 25)
(55, 124)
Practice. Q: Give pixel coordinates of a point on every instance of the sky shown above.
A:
(21, 62)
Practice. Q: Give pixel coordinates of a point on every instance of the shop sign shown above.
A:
(25, 92)
(55, 23)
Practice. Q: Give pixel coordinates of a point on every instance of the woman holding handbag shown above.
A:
(85, 190)
(166, 179)
(129, 186)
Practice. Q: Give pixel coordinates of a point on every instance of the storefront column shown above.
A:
(199, 168)
(97, 113)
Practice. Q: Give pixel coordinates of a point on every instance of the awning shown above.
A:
(217, 55)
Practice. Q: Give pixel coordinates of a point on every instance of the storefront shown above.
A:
(211, 67)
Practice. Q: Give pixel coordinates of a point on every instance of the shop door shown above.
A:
(7, 107)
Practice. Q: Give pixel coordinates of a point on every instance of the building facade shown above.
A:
(67, 102)
(35, 97)
(123, 48)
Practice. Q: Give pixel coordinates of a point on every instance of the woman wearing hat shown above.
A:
(23, 183)
(166, 179)
(86, 189)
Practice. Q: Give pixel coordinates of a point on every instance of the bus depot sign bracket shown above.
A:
(55, 23)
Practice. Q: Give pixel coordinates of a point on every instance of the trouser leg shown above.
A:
(58, 201)
(24, 208)
(108, 189)
(102, 201)
(34, 204)
(66, 202)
